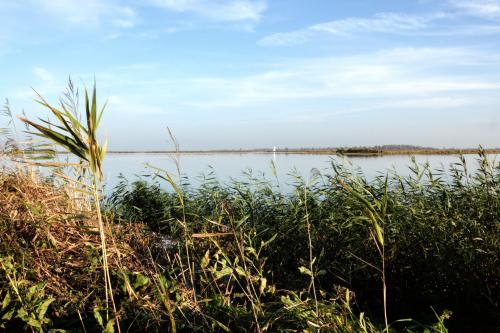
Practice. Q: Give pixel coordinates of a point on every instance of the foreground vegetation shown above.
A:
(437, 238)
(246, 257)
(337, 253)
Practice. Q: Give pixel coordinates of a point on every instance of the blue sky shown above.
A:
(241, 73)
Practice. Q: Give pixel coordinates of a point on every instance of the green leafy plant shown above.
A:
(22, 300)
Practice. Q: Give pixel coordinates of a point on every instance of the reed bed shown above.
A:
(430, 239)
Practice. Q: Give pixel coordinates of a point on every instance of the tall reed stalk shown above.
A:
(80, 139)
(375, 213)
(311, 258)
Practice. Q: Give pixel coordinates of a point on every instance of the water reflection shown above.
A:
(232, 166)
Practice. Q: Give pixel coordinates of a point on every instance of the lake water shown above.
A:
(231, 166)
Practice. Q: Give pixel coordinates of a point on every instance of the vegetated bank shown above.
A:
(246, 257)
(383, 150)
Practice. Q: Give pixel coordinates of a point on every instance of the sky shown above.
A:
(249, 74)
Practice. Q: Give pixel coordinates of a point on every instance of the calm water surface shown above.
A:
(232, 166)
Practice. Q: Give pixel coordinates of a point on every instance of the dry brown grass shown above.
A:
(59, 244)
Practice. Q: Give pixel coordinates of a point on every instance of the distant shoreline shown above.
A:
(346, 151)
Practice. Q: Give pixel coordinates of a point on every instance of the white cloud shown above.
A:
(400, 78)
(286, 38)
(44, 74)
(383, 22)
(90, 13)
(399, 24)
(403, 75)
(47, 85)
(119, 105)
(483, 8)
(218, 10)
(464, 30)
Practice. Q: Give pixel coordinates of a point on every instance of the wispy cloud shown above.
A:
(449, 23)
(90, 13)
(45, 82)
(383, 22)
(122, 106)
(218, 10)
(43, 74)
(398, 75)
(489, 9)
